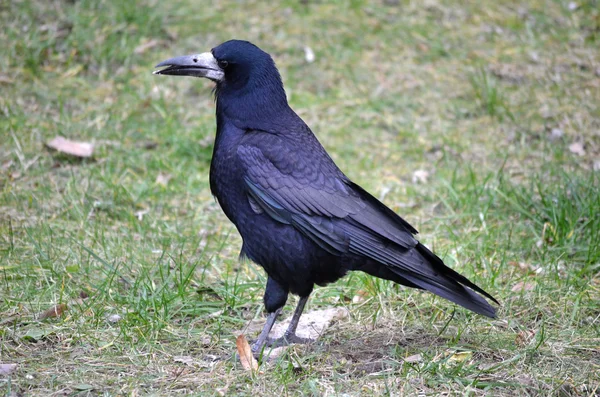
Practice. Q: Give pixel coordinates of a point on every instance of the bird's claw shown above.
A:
(288, 339)
(285, 340)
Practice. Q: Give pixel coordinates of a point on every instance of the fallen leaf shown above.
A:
(73, 148)
(7, 369)
(577, 148)
(246, 357)
(523, 286)
(415, 358)
(55, 311)
(163, 179)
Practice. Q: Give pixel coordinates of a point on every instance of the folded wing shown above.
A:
(299, 187)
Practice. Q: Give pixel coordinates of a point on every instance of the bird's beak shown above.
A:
(200, 65)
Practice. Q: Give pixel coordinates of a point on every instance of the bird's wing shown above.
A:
(305, 189)
(301, 185)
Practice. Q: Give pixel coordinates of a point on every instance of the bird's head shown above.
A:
(237, 67)
(248, 85)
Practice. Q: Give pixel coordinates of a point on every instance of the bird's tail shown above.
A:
(451, 285)
(431, 274)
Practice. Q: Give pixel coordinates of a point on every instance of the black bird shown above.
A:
(300, 217)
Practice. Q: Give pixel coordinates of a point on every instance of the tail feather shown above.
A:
(418, 267)
(454, 275)
(451, 285)
(454, 292)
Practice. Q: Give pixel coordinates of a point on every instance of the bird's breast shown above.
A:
(226, 174)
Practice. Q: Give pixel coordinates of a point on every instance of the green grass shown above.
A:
(468, 93)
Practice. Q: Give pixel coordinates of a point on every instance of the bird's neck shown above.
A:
(254, 107)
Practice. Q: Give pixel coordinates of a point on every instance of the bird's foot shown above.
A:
(256, 347)
(288, 339)
(285, 340)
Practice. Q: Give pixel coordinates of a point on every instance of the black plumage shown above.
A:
(300, 217)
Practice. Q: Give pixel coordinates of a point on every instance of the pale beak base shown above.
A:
(198, 65)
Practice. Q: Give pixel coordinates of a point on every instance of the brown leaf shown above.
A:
(73, 148)
(7, 369)
(246, 358)
(55, 311)
(523, 286)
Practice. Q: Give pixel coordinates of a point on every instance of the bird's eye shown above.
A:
(223, 64)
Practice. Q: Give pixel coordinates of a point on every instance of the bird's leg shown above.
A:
(275, 297)
(290, 334)
(262, 338)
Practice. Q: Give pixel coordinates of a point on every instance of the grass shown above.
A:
(485, 98)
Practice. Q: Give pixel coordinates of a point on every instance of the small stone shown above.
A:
(309, 54)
